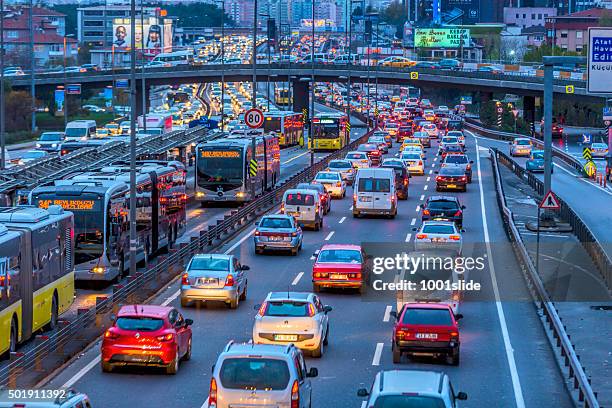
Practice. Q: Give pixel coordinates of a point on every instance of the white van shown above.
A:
(305, 206)
(374, 192)
(78, 130)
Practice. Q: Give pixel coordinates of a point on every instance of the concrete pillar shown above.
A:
(486, 96)
(529, 108)
(139, 107)
(301, 97)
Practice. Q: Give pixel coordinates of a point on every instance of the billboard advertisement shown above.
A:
(470, 9)
(442, 37)
(157, 37)
(59, 101)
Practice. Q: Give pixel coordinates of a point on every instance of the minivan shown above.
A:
(305, 206)
(78, 130)
(374, 192)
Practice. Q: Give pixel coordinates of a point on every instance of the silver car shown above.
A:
(293, 317)
(215, 277)
(344, 167)
(438, 235)
(261, 375)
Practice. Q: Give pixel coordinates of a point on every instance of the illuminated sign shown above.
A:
(231, 154)
(68, 204)
(442, 37)
(327, 121)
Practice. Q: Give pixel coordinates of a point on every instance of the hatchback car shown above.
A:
(535, 163)
(324, 194)
(278, 232)
(403, 132)
(446, 208)
(345, 168)
(32, 155)
(358, 159)
(431, 130)
(333, 182)
(458, 134)
(339, 266)
(424, 138)
(459, 161)
(381, 142)
(147, 335)
(520, 146)
(50, 141)
(438, 235)
(264, 375)
(214, 277)
(451, 178)
(413, 162)
(293, 317)
(401, 177)
(371, 149)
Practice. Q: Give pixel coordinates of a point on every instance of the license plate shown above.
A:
(208, 281)
(428, 336)
(452, 186)
(285, 337)
(337, 276)
(365, 199)
(438, 240)
(294, 214)
(220, 198)
(275, 239)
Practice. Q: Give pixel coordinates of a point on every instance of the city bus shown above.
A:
(330, 131)
(282, 96)
(288, 126)
(222, 168)
(100, 203)
(36, 271)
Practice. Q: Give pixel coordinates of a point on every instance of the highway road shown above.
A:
(506, 361)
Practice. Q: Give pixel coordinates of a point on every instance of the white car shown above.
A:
(431, 130)
(93, 108)
(344, 167)
(435, 235)
(414, 149)
(447, 140)
(520, 146)
(358, 159)
(599, 150)
(413, 162)
(293, 317)
(333, 182)
(443, 109)
(31, 156)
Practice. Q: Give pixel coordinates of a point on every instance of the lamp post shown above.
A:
(142, 68)
(65, 82)
(32, 65)
(133, 241)
(312, 85)
(254, 58)
(2, 135)
(267, 15)
(222, 2)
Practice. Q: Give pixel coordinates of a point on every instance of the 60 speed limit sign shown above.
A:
(254, 118)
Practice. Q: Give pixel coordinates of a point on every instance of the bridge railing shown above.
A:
(581, 382)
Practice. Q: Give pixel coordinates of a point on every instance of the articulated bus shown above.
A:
(100, 202)
(36, 271)
(330, 131)
(288, 126)
(222, 168)
(282, 96)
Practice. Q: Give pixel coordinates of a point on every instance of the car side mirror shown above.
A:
(462, 230)
(458, 316)
(188, 322)
(461, 396)
(312, 373)
(113, 317)
(362, 392)
(393, 314)
(316, 253)
(415, 229)
(257, 306)
(471, 161)
(327, 309)
(245, 268)
(257, 223)
(463, 207)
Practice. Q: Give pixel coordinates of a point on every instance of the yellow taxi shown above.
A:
(113, 128)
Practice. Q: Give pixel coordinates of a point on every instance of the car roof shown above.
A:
(303, 190)
(437, 222)
(251, 349)
(144, 310)
(442, 198)
(341, 246)
(410, 381)
(437, 306)
(302, 296)
(278, 216)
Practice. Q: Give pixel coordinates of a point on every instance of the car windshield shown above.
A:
(340, 256)
(429, 317)
(210, 264)
(523, 142)
(327, 176)
(254, 373)
(408, 401)
(442, 205)
(51, 137)
(287, 308)
(411, 156)
(538, 155)
(300, 199)
(275, 223)
(438, 229)
(456, 159)
(139, 323)
(374, 185)
(339, 165)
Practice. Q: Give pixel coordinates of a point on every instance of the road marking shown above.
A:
(328, 237)
(171, 298)
(408, 236)
(205, 404)
(297, 278)
(422, 197)
(435, 159)
(433, 165)
(387, 315)
(418, 208)
(82, 372)
(428, 178)
(351, 208)
(341, 220)
(413, 221)
(364, 404)
(425, 187)
(430, 171)
(516, 383)
(312, 258)
(240, 241)
(377, 354)
(295, 157)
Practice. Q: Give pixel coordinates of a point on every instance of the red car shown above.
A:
(339, 266)
(372, 151)
(147, 335)
(429, 328)
(403, 131)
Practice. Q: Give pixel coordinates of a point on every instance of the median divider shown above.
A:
(28, 369)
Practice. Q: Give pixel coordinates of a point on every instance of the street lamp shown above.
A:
(222, 2)
(65, 82)
(133, 240)
(254, 59)
(2, 135)
(267, 15)
(312, 85)
(142, 69)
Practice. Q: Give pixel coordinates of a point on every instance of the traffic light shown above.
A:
(272, 32)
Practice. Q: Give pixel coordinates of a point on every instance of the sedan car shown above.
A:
(440, 207)
(381, 142)
(214, 277)
(451, 178)
(358, 159)
(458, 134)
(345, 168)
(31, 156)
(371, 149)
(278, 232)
(147, 335)
(431, 130)
(413, 162)
(424, 138)
(459, 161)
(490, 69)
(339, 266)
(293, 317)
(520, 146)
(443, 235)
(403, 132)
(50, 141)
(333, 182)
(402, 177)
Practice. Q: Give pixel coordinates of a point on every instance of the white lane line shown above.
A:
(312, 258)
(422, 197)
(171, 298)
(364, 404)
(428, 178)
(425, 187)
(516, 383)
(351, 208)
(205, 404)
(377, 354)
(435, 159)
(408, 236)
(328, 237)
(413, 221)
(430, 171)
(297, 278)
(418, 208)
(240, 241)
(295, 157)
(387, 315)
(82, 372)
(341, 220)
(433, 165)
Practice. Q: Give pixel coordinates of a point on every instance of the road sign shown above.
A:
(587, 154)
(414, 75)
(73, 89)
(253, 167)
(590, 168)
(607, 113)
(304, 114)
(500, 110)
(569, 89)
(586, 139)
(466, 100)
(348, 127)
(550, 202)
(254, 118)
(599, 78)
(515, 112)
(607, 122)
(376, 112)
(122, 84)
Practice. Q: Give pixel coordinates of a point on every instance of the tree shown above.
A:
(18, 111)
(606, 19)
(83, 55)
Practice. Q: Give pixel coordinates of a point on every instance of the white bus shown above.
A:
(174, 58)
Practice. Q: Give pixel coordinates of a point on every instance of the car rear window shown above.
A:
(247, 373)
(287, 309)
(210, 264)
(442, 205)
(452, 171)
(327, 176)
(523, 142)
(374, 185)
(438, 229)
(456, 159)
(408, 401)
(275, 223)
(139, 323)
(340, 165)
(339, 256)
(430, 317)
(450, 140)
(299, 199)
(411, 156)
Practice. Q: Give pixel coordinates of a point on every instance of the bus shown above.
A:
(174, 58)
(100, 203)
(288, 126)
(330, 131)
(36, 271)
(222, 168)
(282, 96)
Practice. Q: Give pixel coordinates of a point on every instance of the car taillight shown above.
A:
(458, 213)
(425, 212)
(311, 310)
(463, 178)
(185, 279)
(166, 337)
(439, 178)
(294, 234)
(295, 395)
(421, 236)
(405, 182)
(109, 334)
(229, 281)
(401, 334)
(282, 209)
(262, 308)
(468, 167)
(257, 233)
(455, 237)
(420, 162)
(339, 184)
(354, 197)
(212, 394)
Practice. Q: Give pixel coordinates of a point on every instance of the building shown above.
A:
(536, 35)
(571, 32)
(526, 17)
(241, 11)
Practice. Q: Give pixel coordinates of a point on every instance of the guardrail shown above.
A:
(25, 369)
(541, 299)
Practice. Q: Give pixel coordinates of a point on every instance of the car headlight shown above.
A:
(37, 144)
(54, 145)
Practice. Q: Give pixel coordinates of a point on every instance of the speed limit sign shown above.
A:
(254, 118)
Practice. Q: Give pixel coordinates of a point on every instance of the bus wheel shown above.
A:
(12, 347)
(53, 322)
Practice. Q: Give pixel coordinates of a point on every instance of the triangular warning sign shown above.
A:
(550, 202)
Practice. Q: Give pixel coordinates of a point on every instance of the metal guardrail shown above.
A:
(25, 369)
(541, 299)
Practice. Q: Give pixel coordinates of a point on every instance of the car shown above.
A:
(403, 132)
(423, 138)
(277, 232)
(385, 135)
(374, 193)
(451, 149)
(50, 141)
(427, 64)
(102, 133)
(459, 161)
(413, 162)
(163, 329)
(402, 177)
(324, 195)
(450, 63)
(557, 129)
(293, 317)
(339, 266)
(492, 69)
(371, 149)
(392, 128)
(415, 149)
(520, 146)
(599, 150)
(214, 277)
(344, 167)
(396, 61)
(333, 183)
(358, 159)
(93, 108)
(431, 130)
(458, 134)
(262, 374)
(445, 208)
(381, 142)
(451, 178)
(411, 388)
(426, 328)
(32, 155)
(429, 116)
(410, 141)
(436, 235)
(90, 67)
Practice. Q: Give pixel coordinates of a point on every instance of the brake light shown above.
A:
(354, 197)
(339, 184)
(455, 237)
(295, 395)
(257, 233)
(420, 162)
(405, 182)
(311, 310)
(229, 281)
(282, 209)
(109, 334)
(421, 236)
(425, 212)
(439, 178)
(463, 178)
(458, 213)
(401, 334)
(212, 394)
(185, 279)
(468, 167)
(166, 337)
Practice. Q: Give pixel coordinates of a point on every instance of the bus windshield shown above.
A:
(76, 132)
(272, 124)
(326, 129)
(220, 166)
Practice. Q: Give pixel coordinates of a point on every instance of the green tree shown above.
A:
(394, 15)
(606, 19)
(18, 109)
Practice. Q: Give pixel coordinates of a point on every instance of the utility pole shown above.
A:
(254, 58)
(2, 51)
(142, 68)
(312, 86)
(33, 66)
(133, 241)
(222, 67)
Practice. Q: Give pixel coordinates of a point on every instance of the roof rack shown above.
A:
(229, 346)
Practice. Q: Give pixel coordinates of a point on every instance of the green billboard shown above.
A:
(442, 37)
